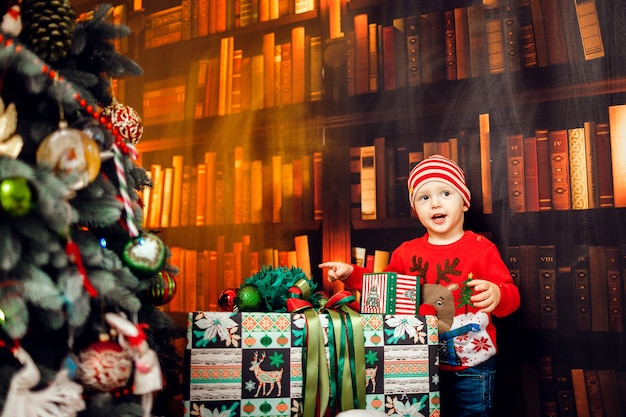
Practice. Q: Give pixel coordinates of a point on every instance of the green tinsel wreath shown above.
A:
(273, 285)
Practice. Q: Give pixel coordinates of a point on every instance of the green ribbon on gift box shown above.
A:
(316, 391)
(346, 346)
(344, 385)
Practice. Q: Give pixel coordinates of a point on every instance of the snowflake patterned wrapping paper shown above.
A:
(389, 293)
(250, 364)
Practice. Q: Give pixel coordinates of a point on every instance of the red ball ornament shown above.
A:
(104, 366)
(162, 288)
(126, 120)
(226, 302)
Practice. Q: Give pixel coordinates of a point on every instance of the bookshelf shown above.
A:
(467, 78)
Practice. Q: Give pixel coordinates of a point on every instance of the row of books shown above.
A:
(584, 282)
(564, 169)
(568, 169)
(205, 273)
(236, 81)
(234, 189)
(198, 18)
(552, 389)
(466, 42)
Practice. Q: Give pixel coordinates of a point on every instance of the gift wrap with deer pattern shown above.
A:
(251, 364)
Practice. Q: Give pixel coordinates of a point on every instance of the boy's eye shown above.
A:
(446, 193)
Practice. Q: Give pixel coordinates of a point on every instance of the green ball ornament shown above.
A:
(249, 298)
(16, 196)
(144, 255)
(162, 288)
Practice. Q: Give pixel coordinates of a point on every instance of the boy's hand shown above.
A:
(487, 295)
(337, 270)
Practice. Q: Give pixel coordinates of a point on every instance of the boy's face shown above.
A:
(441, 210)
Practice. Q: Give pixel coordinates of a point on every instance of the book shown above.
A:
(450, 44)
(598, 289)
(358, 255)
(201, 189)
(531, 174)
(594, 393)
(389, 59)
(591, 150)
(372, 49)
(559, 170)
(297, 190)
(565, 403)
(553, 29)
(237, 191)
(477, 40)
(318, 207)
(190, 280)
(286, 214)
(277, 188)
(485, 163)
(547, 286)
(590, 31)
(581, 282)
(298, 64)
(303, 257)
(529, 286)
(617, 134)
(236, 81)
(209, 211)
(414, 26)
(544, 177)
(166, 210)
(185, 196)
(462, 43)
(516, 172)
(424, 48)
(540, 36)
(285, 73)
(614, 288)
(225, 91)
(350, 63)
(580, 392)
(604, 165)
(177, 184)
(315, 68)
(381, 260)
(610, 392)
(510, 36)
(527, 46)
(547, 392)
(512, 259)
(578, 171)
(307, 187)
(214, 286)
(361, 54)
(257, 192)
(368, 182)
(401, 66)
(381, 178)
(156, 196)
(268, 70)
(193, 195)
(495, 40)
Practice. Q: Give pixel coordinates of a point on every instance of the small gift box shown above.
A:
(390, 293)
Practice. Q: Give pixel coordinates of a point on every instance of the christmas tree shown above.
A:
(80, 280)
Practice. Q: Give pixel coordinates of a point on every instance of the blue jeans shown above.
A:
(468, 393)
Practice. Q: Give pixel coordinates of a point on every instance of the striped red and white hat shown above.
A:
(438, 168)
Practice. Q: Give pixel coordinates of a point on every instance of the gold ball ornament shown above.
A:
(126, 120)
(72, 154)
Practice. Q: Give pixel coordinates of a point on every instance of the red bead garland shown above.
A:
(88, 108)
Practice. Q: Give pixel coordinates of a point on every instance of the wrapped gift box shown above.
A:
(389, 293)
(250, 364)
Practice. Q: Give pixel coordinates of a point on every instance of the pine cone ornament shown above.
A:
(47, 27)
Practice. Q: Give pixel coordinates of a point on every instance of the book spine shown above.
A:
(547, 286)
(485, 162)
(577, 154)
(604, 164)
(381, 181)
(450, 39)
(462, 43)
(515, 171)
(591, 150)
(614, 288)
(617, 130)
(582, 292)
(598, 289)
(361, 54)
(590, 31)
(543, 170)
(368, 182)
(531, 174)
(559, 170)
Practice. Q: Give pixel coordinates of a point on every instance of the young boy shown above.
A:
(464, 281)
